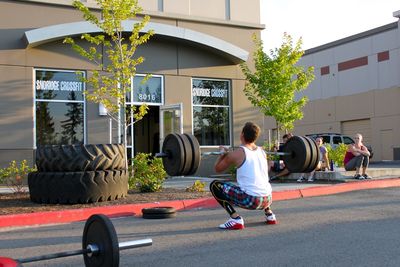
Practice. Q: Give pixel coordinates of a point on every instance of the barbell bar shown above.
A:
(181, 154)
(100, 247)
(223, 152)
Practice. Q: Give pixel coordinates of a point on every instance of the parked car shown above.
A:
(334, 139)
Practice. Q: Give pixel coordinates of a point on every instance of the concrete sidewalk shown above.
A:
(385, 174)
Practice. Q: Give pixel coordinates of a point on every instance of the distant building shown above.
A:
(356, 89)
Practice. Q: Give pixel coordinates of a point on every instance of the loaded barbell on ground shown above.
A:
(181, 154)
(100, 246)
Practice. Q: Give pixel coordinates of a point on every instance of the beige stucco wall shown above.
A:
(16, 108)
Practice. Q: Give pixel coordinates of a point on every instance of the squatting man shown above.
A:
(253, 190)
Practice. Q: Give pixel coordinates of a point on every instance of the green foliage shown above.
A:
(271, 147)
(197, 186)
(337, 154)
(111, 81)
(148, 173)
(275, 81)
(14, 175)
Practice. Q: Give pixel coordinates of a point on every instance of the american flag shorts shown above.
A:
(236, 196)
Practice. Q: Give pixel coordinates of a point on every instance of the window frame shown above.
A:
(58, 101)
(229, 106)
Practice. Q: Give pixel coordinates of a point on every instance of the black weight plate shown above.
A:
(187, 148)
(298, 159)
(173, 147)
(196, 156)
(159, 216)
(315, 154)
(100, 231)
(158, 213)
(157, 210)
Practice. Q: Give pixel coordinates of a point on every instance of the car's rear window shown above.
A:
(347, 140)
(326, 139)
(337, 140)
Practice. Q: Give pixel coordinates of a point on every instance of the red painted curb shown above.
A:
(349, 186)
(75, 215)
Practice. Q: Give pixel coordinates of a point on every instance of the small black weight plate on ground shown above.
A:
(174, 162)
(196, 156)
(159, 213)
(187, 148)
(298, 158)
(100, 231)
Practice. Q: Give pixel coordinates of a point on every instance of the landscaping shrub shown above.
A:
(337, 154)
(197, 186)
(14, 176)
(148, 173)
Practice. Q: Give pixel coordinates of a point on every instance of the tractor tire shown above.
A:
(79, 158)
(77, 187)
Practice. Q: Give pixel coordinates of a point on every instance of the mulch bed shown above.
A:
(15, 203)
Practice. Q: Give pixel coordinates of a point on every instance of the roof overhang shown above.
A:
(52, 33)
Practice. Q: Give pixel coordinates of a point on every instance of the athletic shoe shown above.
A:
(301, 179)
(366, 176)
(358, 177)
(233, 224)
(271, 219)
(310, 179)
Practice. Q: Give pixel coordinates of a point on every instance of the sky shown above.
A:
(321, 21)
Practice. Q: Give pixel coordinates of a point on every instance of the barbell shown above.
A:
(181, 155)
(100, 246)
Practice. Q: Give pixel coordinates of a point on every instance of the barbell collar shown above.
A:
(135, 244)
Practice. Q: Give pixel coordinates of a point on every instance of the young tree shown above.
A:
(275, 81)
(117, 63)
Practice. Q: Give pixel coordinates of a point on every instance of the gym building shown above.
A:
(196, 85)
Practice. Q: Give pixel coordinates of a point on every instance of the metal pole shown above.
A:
(91, 248)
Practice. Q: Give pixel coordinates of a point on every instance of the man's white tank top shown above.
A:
(252, 175)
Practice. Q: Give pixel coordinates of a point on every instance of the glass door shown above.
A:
(171, 120)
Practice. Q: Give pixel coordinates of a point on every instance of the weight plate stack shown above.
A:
(174, 162)
(187, 149)
(314, 151)
(196, 156)
(298, 158)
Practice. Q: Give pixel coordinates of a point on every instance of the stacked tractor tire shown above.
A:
(71, 174)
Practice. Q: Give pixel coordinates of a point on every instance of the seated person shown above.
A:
(279, 165)
(322, 164)
(356, 158)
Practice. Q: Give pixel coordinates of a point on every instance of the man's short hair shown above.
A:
(287, 136)
(250, 131)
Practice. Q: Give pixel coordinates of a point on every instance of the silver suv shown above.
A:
(334, 139)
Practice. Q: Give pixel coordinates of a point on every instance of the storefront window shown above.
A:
(149, 92)
(60, 107)
(211, 111)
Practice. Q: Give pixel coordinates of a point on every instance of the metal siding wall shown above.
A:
(359, 126)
